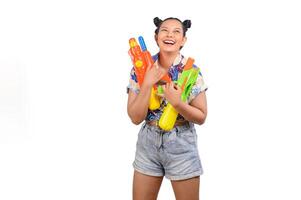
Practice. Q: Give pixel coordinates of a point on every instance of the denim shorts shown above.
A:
(173, 154)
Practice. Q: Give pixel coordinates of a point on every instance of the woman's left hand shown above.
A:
(172, 93)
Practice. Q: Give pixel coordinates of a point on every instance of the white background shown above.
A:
(64, 67)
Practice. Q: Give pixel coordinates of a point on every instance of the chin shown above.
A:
(170, 50)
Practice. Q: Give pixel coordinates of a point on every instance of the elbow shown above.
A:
(135, 120)
(201, 120)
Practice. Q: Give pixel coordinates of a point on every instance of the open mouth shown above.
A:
(169, 42)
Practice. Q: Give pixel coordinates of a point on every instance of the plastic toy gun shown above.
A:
(138, 60)
(142, 60)
(186, 82)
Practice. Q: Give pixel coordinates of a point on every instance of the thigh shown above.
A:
(146, 187)
(186, 189)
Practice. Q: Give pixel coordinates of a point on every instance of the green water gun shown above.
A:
(186, 81)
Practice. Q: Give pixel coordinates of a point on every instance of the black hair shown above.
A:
(186, 24)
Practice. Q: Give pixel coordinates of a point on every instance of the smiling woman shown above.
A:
(172, 30)
(170, 153)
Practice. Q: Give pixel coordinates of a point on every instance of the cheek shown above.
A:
(160, 36)
(181, 40)
(159, 40)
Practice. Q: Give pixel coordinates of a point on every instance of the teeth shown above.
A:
(168, 41)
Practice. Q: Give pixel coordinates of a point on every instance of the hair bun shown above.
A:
(187, 23)
(157, 21)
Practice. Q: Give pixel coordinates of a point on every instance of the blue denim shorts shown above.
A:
(172, 154)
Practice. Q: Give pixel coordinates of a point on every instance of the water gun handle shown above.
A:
(168, 118)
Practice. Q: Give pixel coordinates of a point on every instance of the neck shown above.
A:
(167, 59)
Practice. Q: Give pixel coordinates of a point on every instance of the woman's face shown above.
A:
(170, 36)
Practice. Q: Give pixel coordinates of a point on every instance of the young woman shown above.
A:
(174, 153)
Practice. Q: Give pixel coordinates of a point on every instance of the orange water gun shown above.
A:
(148, 58)
(138, 60)
(142, 60)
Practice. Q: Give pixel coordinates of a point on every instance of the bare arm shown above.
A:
(137, 106)
(195, 112)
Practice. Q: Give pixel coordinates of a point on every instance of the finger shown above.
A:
(167, 85)
(148, 68)
(159, 72)
(172, 86)
(155, 65)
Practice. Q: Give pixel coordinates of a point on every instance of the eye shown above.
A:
(163, 29)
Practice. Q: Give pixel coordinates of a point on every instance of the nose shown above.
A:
(169, 33)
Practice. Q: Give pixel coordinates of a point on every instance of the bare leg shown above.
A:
(187, 189)
(146, 187)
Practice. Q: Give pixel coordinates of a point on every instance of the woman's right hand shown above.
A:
(152, 75)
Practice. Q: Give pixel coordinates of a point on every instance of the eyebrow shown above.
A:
(167, 28)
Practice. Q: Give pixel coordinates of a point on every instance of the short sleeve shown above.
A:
(133, 82)
(198, 87)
